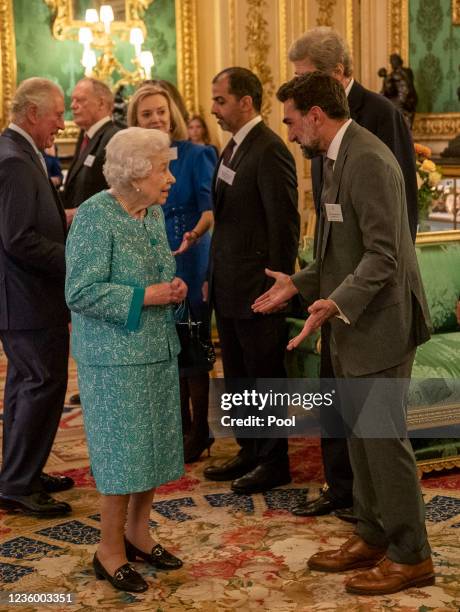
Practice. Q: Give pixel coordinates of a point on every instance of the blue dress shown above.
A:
(125, 353)
(189, 197)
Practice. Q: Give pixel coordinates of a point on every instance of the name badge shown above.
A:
(226, 174)
(89, 161)
(334, 213)
(173, 154)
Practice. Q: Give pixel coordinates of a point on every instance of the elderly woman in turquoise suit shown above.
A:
(188, 217)
(120, 287)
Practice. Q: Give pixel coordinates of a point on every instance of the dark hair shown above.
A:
(243, 82)
(316, 89)
(206, 135)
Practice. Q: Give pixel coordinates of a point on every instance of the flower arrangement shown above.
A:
(428, 178)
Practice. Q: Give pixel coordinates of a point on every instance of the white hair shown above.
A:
(36, 91)
(325, 48)
(129, 154)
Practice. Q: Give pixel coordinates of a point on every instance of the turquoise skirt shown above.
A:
(133, 425)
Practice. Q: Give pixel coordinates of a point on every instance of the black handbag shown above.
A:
(197, 350)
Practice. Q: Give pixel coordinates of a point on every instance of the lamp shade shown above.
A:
(147, 62)
(91, 16)
(85, 36)
(106, 13)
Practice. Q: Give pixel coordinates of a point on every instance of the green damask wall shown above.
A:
(39, 54)
(434, 55)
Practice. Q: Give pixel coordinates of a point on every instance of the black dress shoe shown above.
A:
(159, 557)
(36, 504)
(346, 514)
(318, 507)
(74, 400)
(262, 478)
(125, 577)
(54, 484)
(231, 469)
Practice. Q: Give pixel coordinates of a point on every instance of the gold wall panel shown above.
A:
(7, 60)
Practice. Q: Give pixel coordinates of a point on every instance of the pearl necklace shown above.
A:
(125, 207)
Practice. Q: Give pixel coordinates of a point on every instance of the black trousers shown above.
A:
(334, 448)
(36, 382)
(255, 348)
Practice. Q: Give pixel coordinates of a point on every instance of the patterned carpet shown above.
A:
(240, 552)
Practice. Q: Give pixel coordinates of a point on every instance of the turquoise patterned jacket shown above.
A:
(111, 258)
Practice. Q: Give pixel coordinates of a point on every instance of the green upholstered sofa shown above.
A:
(434, 398)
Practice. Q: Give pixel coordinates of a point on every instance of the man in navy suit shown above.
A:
(323, 49)
(92, 106)
(33, 314)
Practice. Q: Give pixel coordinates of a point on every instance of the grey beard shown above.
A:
(310, 152)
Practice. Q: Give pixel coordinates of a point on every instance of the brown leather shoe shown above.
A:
(353, 554)
(390, 577)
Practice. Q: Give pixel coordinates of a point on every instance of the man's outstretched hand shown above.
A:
(320, 312)
(277, 296)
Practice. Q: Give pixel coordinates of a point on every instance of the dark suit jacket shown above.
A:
(32, 239)
(378, 115)
(367, 262)
(256, 222)
(83, 181)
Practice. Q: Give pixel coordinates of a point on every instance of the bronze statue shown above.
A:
(398, 86)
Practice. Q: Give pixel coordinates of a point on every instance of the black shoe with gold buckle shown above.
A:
(159, 557)
(125, 577)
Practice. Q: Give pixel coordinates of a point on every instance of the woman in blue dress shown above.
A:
(120, 287)
(189, 217)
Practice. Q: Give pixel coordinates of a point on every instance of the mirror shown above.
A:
(79, 8)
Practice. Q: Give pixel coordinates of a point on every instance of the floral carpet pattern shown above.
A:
(240, 553)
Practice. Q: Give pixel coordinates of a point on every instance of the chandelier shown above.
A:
(95, 35)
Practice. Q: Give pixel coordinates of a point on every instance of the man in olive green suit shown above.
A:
(365, 281)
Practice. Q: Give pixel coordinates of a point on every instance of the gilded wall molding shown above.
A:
(282, 29)
(258, 47)
(456, 12)
(349, 25)
(427, 126)
(398, 25)
(326, 13)
(187, 53)
(431, 126)
(7, 60)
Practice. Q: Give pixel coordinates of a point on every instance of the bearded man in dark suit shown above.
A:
(323, 49)
(256, 224)
(92, 105)
(365, 281)
(33, 313)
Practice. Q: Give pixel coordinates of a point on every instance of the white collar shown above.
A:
(26, 135)
(244, 131)
(94, 128)
(334, 147)
(349, 86)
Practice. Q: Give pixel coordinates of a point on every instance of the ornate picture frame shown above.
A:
(427, 126)
(186, 42)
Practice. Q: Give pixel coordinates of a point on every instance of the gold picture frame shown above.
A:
(427, 126)
(65, 26)
(186, 44)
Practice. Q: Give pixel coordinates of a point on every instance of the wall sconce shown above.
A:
(97, 32)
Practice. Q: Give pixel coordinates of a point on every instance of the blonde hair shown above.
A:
(178, 127)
